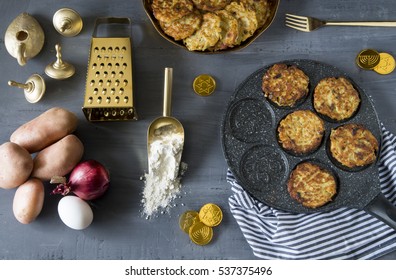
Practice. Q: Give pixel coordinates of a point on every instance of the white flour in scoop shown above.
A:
(162, 182)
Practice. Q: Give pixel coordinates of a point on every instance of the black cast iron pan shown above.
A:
(262, 167)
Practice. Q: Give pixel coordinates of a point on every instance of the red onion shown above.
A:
(88, 180)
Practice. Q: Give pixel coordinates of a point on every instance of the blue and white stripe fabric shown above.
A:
(341, 234)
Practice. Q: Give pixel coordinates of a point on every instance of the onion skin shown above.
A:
(89, 180)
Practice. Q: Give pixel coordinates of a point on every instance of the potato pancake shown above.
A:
(183, 27)
(311, 185)
(211, 5)
(301, 132)
(171, 10)
(336, 98)
(353, 145)
(246, 18)
(285, 85)
(260, 7)
(207, 35)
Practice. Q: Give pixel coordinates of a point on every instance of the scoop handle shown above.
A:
(383, 209)
(167, 92)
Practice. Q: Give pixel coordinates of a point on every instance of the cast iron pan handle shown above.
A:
(381, 208)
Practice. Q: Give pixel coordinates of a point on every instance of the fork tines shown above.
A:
(297, 22)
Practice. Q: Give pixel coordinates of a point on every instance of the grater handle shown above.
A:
(168, 92)
(110, 20)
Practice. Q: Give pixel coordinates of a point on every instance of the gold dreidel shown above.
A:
(59, 69)
(34, 88)
(67, 22)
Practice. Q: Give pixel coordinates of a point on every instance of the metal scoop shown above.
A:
(166, 123)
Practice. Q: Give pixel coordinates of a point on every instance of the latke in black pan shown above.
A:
(311, 185)
(285, 85)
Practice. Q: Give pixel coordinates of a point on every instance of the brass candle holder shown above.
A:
(59, 69)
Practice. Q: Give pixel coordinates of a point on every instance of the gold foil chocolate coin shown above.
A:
(386, 64)
(368, 59)
(210, 214)
(187, 220)
(200, 233)
(204, 85)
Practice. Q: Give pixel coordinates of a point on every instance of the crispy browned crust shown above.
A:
(260, 7)
(229, 31)
(311, 185)
(171, 10)
(239, 20)
(183, 27)
(246, 19)
(211, 5)
(285, 85)
(336, 98)
(301, 132)
(353, 145)
(207, 35)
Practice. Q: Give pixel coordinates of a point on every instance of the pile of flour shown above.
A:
(162, 182)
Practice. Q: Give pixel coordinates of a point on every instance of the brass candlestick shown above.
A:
(34, 88)
(59, 69)
(67, 22)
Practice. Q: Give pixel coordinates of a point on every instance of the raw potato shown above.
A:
(28, 201)
(16, 165)
(46, 129)
(58, 159)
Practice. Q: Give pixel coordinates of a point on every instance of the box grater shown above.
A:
(109, 85)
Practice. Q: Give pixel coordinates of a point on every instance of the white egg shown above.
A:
(75, 212)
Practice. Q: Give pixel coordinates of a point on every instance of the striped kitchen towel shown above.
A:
(341, 234)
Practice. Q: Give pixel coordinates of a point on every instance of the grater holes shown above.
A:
(108, 83)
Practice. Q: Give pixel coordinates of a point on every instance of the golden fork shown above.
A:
(308, 24)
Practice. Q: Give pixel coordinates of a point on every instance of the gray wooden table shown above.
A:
(119, 231)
